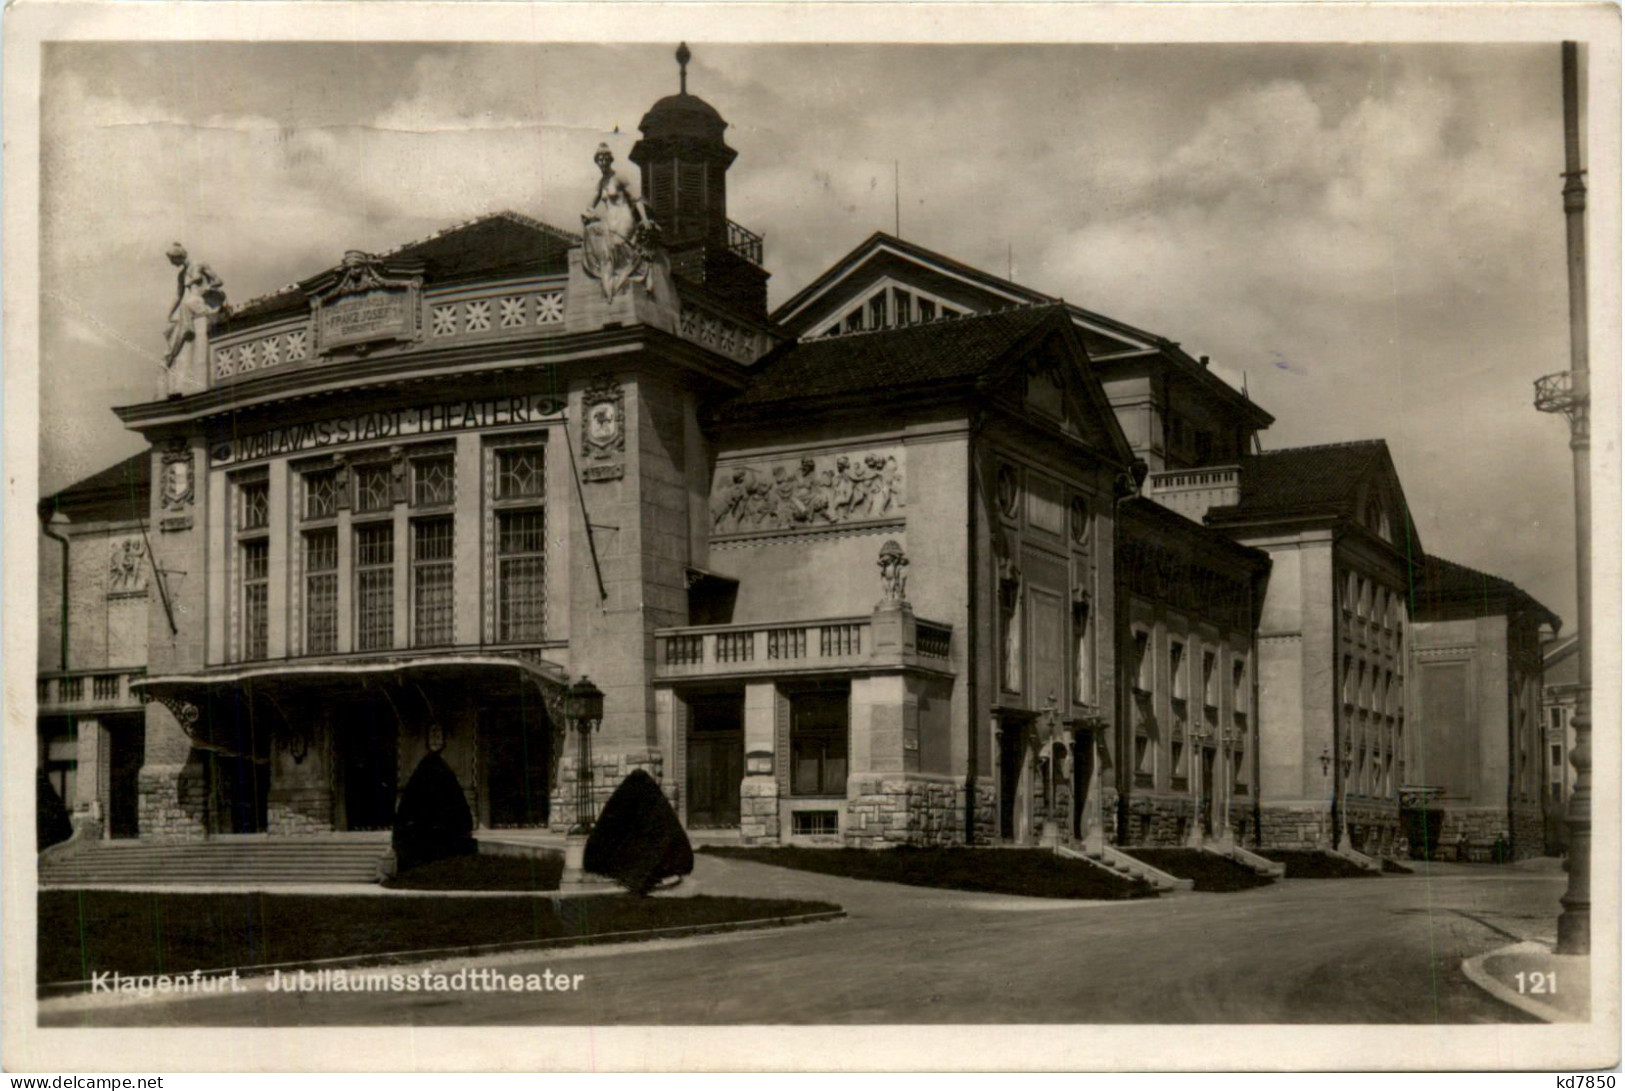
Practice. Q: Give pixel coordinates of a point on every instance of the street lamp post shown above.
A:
(585, 709)
(1569, 393)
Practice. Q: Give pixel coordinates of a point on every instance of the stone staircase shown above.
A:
(247, 860)
(1258, 864)
(1121, 863)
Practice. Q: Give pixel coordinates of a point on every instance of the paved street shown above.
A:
(1383, 950)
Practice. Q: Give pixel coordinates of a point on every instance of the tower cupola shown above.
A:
(684, 162)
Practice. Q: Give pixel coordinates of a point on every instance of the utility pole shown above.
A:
(1569, 393)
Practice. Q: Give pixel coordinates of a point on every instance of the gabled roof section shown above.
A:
(1107, 338)
(1143, 516)
(121, 491)
(1445, 586)
(1327, 480)
(929, 359)
(492, 245)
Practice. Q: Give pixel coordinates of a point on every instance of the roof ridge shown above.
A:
(1342, 444)
(941, 319)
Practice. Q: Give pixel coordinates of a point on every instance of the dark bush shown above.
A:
(51, 822)
(433, 822)
(638, 841)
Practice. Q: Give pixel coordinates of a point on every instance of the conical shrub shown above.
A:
(638, 840)
(433, 820)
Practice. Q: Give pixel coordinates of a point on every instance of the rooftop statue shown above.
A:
(198, 294)
(620, 243)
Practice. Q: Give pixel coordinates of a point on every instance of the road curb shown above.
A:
(434, 954)
(1475, 969)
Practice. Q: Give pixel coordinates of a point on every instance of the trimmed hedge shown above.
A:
(637, 840)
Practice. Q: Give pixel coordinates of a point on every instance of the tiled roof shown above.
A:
(1304, 480)
(1141, 515)
(920, 356)
(129, 480)
(495, 243)
(1443, 583)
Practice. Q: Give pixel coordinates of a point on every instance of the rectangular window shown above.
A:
(1210, 680)
(256, 606)
(1238, 776)
(905, 306)
(1177, 748)
(432, 481)
(321, 592)
(854, 321)
(1142, 661)
(1083, 653)
(1176, 673)
(877, 312)
(1238, 687)
(431, 581)
(815, 823)
(521, 574)
(818, 744)
(321, 494)
(519, 473)
(375, 586)
(256, 500)
(928, 310)
(1557, 755)
(373, 488)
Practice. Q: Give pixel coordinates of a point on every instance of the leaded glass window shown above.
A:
(375, 586)
(372, 488)
(521, 574)
(256, 586)
(321, 494)
(432, 480)
(321, 592)
(256, 514)
(519, 473)
(431, 581)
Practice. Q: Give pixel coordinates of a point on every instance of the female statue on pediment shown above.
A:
(617, 235)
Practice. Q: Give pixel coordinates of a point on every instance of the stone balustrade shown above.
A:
(88, 690)
(832, 644)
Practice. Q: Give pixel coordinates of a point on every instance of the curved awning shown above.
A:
(187, 694)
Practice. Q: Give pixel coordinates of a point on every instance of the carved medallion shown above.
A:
(176, 484)
(603, 418)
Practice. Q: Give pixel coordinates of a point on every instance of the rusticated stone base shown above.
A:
(1484, 825)
(1294, 827)
(173, 801)
(292, 812)
(886, 809)
(759, 810)
(1374, 829)
(608, 770)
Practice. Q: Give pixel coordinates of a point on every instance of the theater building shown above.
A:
(1477, 768)
(1560, 666)
(1331, 639)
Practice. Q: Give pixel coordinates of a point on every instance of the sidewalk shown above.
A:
(1534, 978)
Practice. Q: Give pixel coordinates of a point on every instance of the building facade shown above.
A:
(1478, 769)
(1560, 667)
(921, 557)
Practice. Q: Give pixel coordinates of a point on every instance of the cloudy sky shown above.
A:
(1373, 235)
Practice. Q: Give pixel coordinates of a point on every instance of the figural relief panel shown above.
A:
(808, 493)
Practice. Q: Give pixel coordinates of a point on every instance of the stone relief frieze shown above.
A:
(807, 493)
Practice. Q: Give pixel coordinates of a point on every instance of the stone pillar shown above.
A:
(759, 792)
(91, 752)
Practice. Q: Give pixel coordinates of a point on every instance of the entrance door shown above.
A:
(1012, 758)
(716, 759)
(1083, 772)
(368, 754)
(127, 737)
(1209, 756)
(519, 765)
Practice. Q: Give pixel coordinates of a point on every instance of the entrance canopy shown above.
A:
(188, 695)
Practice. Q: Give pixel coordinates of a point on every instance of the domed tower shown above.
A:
(685, 162)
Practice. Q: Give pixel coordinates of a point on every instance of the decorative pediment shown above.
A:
(365, 300)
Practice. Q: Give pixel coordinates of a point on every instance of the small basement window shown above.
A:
(814, 823)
